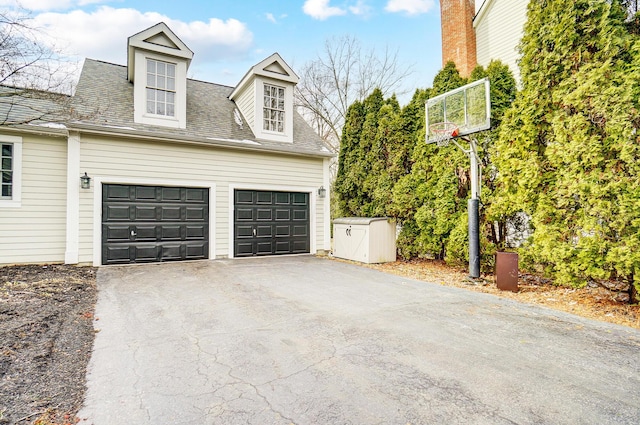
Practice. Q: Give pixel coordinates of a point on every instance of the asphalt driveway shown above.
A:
(305, 340)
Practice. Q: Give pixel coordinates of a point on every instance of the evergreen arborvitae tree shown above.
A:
(568, 151)
(432, 197)
(346, 184)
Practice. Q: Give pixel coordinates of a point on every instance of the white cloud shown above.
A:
(94, 34)
(411, 7)
(270, 17)
(320, 9)
(360, 9)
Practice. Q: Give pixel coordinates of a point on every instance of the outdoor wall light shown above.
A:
(322, 192)
(85, 181)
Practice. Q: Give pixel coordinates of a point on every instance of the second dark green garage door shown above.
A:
(270, 223)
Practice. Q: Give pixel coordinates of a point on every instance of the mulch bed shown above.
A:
(46, 337)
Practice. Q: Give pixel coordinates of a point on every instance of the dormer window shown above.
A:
(264, 96)
(273, 112)
(157, 65)
(161, 88)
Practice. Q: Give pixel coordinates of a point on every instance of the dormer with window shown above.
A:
(157, 66)
(265, 98)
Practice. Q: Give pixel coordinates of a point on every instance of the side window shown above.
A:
(10, 171)
(7, 171)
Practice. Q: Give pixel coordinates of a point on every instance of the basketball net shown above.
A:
(443, 132)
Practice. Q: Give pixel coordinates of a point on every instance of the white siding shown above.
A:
(35, 232)
(499, 26)
(246, 104)
(110, 159)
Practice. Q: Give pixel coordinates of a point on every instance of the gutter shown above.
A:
(191, 140)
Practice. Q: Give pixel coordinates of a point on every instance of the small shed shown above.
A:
(365, 239)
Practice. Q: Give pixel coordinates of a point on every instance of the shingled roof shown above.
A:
(104, 97)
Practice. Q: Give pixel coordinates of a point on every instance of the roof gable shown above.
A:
(159, 39)
(272, 67)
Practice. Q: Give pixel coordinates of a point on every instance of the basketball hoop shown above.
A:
(443, 132)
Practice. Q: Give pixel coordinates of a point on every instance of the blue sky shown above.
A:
(230, 36)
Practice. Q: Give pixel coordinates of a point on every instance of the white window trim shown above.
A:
(16, 191)
(179, 120)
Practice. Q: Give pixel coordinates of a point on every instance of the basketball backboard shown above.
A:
(468, 107)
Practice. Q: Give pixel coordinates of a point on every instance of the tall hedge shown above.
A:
(568, 155)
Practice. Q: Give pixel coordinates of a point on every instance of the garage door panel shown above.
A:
(244, 231)
(300, 231)
(283, 247)
(116, 192)
(171, 251)
(244, 197)
(149, 223)
(300, 199)
(118, 254)
(195, 213)
(145, 253)
(195, 232)
(300, 247)
(116, 213)
(171, 194)
(194, 195)
(283, 231)
(283, 214)
(116, 233)
(268, 223)
(300, 215)
(195, 251)
(264, 231)
(264, 198)
(145, 233)
(264, 214)
(170, 213)
(144, 213)
(244, 214)
(168, 233)
(145, 193)
(265, 248)
(283, 198)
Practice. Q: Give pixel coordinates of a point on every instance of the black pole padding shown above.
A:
(474, 238)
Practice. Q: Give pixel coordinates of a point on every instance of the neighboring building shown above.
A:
(180, 169)
(478, 32)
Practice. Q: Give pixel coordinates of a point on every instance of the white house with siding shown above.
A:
(499, 25)
(179, 169)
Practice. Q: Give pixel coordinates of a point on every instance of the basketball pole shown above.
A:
(473, 207)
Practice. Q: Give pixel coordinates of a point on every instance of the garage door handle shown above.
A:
(254, 232)
(133, 233)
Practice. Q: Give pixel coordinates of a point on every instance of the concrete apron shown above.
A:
(305, 340)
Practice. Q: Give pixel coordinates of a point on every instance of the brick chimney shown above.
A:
(458, 35)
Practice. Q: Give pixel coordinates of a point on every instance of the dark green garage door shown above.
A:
(270, 223)
(142, 224)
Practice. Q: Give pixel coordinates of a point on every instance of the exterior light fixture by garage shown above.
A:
(322, 192)
(85, 181)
